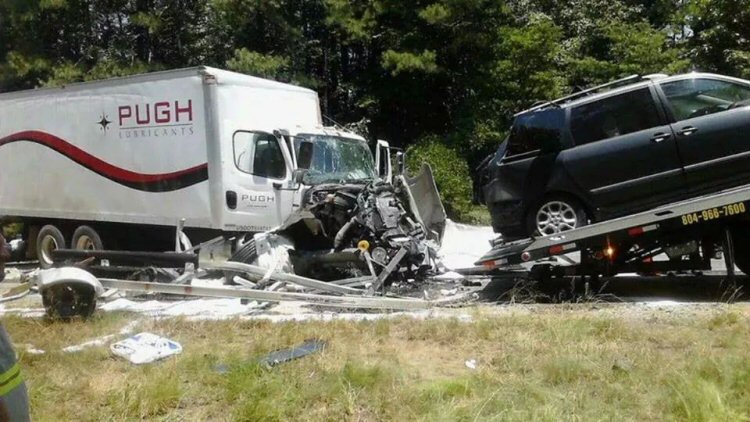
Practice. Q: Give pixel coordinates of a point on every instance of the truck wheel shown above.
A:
(86, 239)
(741, 242)
(247, 254)
(556, 214)
(49, 239)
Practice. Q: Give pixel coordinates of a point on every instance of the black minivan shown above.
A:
(643, 142)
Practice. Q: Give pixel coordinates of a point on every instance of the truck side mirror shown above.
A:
(305, 155)
(298, 176)
(401, 162)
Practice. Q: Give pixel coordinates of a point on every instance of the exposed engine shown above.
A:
(356, 224)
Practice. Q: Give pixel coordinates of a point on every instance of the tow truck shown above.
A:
(688, 232)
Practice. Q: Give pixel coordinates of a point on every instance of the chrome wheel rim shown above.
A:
(555, 217)
(49, 245)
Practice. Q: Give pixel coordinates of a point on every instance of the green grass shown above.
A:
(557, 363)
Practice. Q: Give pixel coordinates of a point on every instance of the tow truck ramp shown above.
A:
(688, 232)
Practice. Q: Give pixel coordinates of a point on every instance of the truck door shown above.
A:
(711, 120)
(383, 160)
(256, 193)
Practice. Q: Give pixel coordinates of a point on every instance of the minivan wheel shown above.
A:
(556, 215)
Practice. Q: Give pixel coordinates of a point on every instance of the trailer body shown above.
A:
(149, 150)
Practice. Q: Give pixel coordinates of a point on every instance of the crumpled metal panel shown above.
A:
(425, 201)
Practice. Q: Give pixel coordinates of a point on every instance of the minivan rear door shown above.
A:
(624, 156)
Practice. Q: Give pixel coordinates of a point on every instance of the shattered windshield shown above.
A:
(337, 159)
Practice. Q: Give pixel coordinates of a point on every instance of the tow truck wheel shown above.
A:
(741, 243)
(86, 239)
(556, 214)
(49, 239)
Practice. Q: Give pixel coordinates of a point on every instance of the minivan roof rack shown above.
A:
(622, 81)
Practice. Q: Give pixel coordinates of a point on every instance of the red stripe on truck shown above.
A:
(146, 182)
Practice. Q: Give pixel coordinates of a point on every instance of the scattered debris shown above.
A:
(145, 348)
(449, 292)
(449, 276)
(30, 349)
(198, 308)
(361, 228)
(285, 355)
(101, 341)
(471, 364)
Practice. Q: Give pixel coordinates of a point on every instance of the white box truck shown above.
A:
(116, 164)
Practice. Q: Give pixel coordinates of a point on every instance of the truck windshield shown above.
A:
(336, 159)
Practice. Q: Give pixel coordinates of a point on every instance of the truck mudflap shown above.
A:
(424, 201)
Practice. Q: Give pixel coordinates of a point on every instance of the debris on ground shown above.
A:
(145, 348)
(471, 364)
(285, 355)
(101, 341)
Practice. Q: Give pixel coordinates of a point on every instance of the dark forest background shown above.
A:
(442, 77)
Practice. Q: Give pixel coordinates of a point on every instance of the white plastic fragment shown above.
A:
(145, 348)
(101, 341)
(471, 364)
(450, 292)
(449, 276)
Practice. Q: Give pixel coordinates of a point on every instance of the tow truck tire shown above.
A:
(49, 239)
(86, 238)
(741, 243)
(563, 212)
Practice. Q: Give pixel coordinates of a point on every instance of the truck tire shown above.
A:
(49, 239)
(741, 243)
(246, 254)
(86, 239)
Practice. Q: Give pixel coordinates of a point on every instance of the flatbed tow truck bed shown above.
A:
(688, 231)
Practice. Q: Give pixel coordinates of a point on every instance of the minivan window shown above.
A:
(700, 96)
(536, 131)
(613, 116)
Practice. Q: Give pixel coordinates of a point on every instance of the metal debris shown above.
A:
(285, 355)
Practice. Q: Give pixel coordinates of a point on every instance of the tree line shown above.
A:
(444, 75)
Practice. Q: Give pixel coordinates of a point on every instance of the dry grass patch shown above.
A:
(558, 364)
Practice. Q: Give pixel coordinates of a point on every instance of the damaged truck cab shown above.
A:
(343, 213)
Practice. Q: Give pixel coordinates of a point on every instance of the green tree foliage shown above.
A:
(455, 68)
(449, 169)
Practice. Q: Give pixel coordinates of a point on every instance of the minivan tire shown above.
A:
(563, 214)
